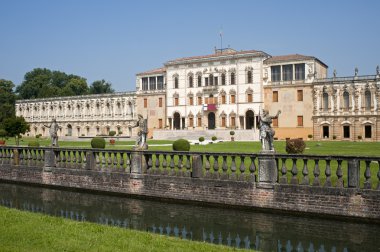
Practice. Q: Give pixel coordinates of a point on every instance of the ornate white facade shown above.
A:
(87, 115)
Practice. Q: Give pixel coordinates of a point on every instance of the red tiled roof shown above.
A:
(153, 71)
(213, 56)
(290, 57)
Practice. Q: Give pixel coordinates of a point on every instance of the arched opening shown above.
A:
(177, 121)
(69, 130)
(249, 119)
(211, 120)
(325, 131)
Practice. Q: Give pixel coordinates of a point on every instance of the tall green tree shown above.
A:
(101, 87)
(15, 126)
(7, 100)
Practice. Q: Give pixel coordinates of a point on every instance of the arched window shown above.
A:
(367, 99)
(176, 82)
(191, 84)
(346, 100)
(232, 77)
(249, 76)
(325, 102)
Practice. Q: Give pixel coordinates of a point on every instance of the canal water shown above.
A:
(236, 228)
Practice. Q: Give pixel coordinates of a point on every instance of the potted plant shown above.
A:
(112, 141)
(232, 133)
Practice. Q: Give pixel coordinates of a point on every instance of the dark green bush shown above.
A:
(34, 144)
(295, 146)
(181, 145)
(98, 143)
(201, 139)
(232, 132)
(112, 133)
(213, 138)
(38, 136)
(310, 136)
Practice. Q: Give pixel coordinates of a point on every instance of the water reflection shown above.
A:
(241, 229)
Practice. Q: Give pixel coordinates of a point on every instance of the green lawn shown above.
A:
(24, 231)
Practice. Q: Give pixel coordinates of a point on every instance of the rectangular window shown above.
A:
(144, 83)
(299, 95)
(191, 122)
(275, 73)
(216, 80)
(160, 82)
(199, 81)
(160, 123)
(223, 121)
(152, 83)
(191, 100)
(206, 81)
(287, 72)
(275, 122)
(300, 71)
(232, 76)
(233, 123)
(300, 121)
(145, 102)
(199, 100)
(232, 99)
(275, 96)
(249, 97)
(199, 121)
(223, 99)
(160, 102)
(223, 79)
(176, 101)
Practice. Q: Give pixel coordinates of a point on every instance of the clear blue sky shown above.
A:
(114, 40)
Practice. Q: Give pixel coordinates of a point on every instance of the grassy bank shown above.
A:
(23, 231)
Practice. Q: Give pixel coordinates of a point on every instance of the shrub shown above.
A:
(112, 133)
(295, 146)
(310, 136)
(201, 139)
(3, 133)
(213, 138)
(82, 134)
(98, 143)
(181, 145)
(360, 137)
(34, 144)
(334, 137)
(232, 132)
(120, 132)
(38, 136)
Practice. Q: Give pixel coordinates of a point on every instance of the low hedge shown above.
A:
(295, 146)
(181, 145)
(98, 143)
(33, 144)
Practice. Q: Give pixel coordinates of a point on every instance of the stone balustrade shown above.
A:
(302, 170)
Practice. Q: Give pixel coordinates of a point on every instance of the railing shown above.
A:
(302, 170)
(349, 78)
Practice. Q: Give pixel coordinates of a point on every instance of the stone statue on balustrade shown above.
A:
(142, 133)
(53, 131)
(266, 130)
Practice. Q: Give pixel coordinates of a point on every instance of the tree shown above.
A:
(7, 99)
(101, 87)
(15, 126)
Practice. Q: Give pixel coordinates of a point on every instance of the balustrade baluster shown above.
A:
(216, 167)
(74, 159)
(305, 173)
(69, 159)
(104, 160)
(188, 166)
(207, 166)
(367, 175)
(121, 163)
(328, 174)
(284, 170)
(316, 173)
(242, 169)
(294, 180)
(164, 164)
(378, 175)
(339, 174)
(180, 165)
(109, 160)
(57, 158)
(115, 161)
(157, 164)
(149, 163)
(21, 156)
(172, 166)
(97, 160)
(34, 156)
(233, 169)
(1, 156)
(224, 168)
(11, 159)
(252, 170)
(128, 163)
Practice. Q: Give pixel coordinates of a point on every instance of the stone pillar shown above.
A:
(49, 160)
(353, 173)
(197, 168)
(136, 164)
(90, 161)
(268, 171)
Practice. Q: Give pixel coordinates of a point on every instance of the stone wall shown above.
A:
(344, 202)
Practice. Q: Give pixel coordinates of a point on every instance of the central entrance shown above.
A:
(177, 121)
(249, 119)
(211, 120)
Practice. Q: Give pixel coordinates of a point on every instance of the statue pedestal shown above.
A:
(268, 171)
(49, 160)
